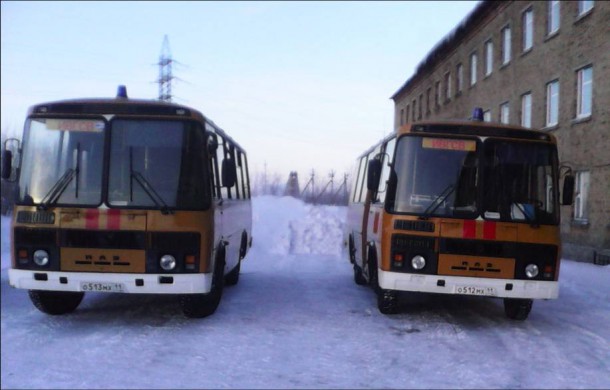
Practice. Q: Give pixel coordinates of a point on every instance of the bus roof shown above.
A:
(476, 128)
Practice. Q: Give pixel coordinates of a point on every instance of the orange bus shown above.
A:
(126, 196)
(458, 207)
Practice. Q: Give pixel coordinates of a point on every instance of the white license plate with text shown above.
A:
(102, 287)
(476, 290)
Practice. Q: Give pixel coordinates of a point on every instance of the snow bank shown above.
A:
(285, 225)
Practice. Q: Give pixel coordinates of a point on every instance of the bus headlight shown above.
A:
(531, 270)
(418, 262)
(41, 257)
(168, 262)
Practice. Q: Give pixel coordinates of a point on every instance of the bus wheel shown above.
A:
(233, 277)
(387, 301)
(358, 277)
(56, 302)
(203, 305)
(517, 309)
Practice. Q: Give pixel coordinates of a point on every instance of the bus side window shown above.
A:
(225, 192)
(237, 185)
(247, 176)
(373, 154)
(385, 169)
(214, 169)
(360, 181)
(240, 175)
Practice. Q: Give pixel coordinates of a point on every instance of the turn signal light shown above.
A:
(189, 262)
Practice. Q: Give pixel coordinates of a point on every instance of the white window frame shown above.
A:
(504, 113)
(554, 16)
(528, 29)
(526, 109)
(581, 198)
(473, 69)
(585, 6)
(552, 103)
(487, 116)
(584, 92)
(506, 45)
(489, 57)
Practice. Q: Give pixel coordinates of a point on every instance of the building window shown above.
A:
(585, 92)
(414, 109)
(584, 6)
(459, 79)
(489, 56)
(402, 116)
(506, 45)
(447, 86)
(553, 22)
(419, 111)
(526, 110)
(407, 111)
(473, 69)
(581, 196)
(504, 113)
(487, 116)
(437, 94)
(552, 103)
(428, 93)
(528, 29)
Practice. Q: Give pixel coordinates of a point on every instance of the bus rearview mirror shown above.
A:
(374, 173)
(567, 195)
(7, 164)
(228, 173)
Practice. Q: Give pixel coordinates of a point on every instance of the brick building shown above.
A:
(544, 65)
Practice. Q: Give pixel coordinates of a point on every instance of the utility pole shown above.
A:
(165, 72)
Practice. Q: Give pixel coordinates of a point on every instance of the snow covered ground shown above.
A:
(297, 320)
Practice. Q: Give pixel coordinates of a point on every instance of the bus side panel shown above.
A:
(236, 218)
(354, 222)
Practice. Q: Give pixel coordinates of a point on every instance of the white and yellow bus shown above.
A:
(458, 207)
(127, 196)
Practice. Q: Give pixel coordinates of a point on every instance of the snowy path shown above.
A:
(299, 321)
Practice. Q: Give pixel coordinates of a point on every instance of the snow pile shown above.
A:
(284, 225)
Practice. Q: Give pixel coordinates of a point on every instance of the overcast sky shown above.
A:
(300, 85)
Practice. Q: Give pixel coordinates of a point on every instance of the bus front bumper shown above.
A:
(442, 284)
(111, 282)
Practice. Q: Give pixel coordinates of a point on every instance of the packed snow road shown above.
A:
(297, 320)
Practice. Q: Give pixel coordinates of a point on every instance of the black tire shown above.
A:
(517, 309)
(233, 277)
(56, 302)
(352, 250)
(358, 277)
(203, 305)
(387, 301)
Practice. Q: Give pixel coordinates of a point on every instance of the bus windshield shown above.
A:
(436, 176)
(62, 162)
(465, 178)
(152, 164)
(157, 164)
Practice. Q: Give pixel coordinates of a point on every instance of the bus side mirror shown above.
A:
(7, 164)
(228, 173)
(567, 195)
(374, 174)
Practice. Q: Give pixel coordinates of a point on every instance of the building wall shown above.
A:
(584, 144)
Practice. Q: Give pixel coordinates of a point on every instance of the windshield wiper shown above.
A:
(148, 188)
(60, 186)
(438, 201)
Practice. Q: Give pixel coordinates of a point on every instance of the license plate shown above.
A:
(475, 290)
(101, 287)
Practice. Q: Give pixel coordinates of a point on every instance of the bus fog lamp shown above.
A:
(168, 262)
(418, 262)
(41, 257)
(531, 270)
